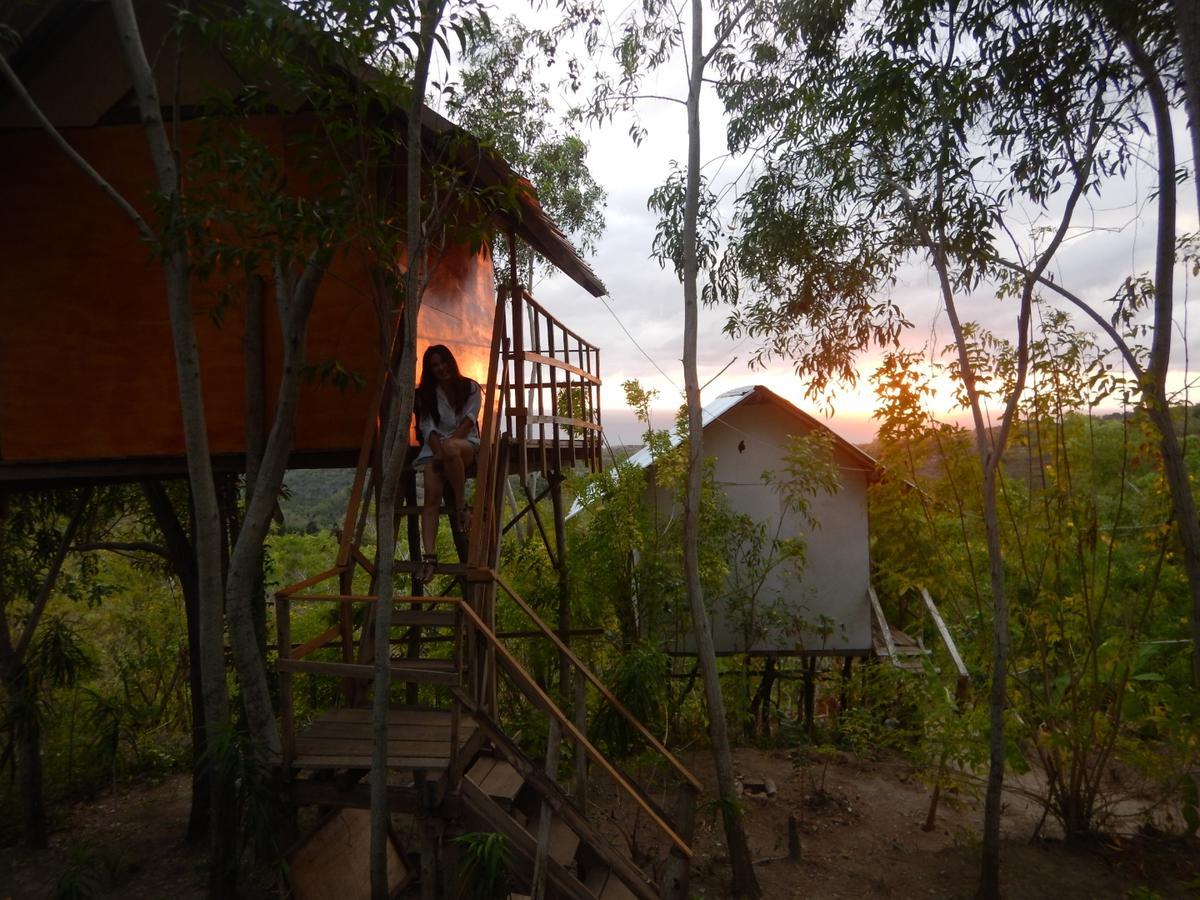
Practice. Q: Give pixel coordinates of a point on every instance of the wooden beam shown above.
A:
(496, 819)
(565, 421)
(534, 692)
(587, 673)
(314, 643)
(947, 638)
(552, 794)
(530, 356)
(884, 628)
(309, 582)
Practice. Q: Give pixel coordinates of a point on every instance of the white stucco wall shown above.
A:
(835, 578)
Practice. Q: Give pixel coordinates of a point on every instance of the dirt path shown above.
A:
(127, 843)
(861, 838)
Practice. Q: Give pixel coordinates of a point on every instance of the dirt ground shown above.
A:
(860, 837)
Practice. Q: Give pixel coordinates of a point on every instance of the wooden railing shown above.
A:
(553, 398)
(525, 683)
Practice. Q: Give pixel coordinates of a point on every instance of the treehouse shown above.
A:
(88, 392)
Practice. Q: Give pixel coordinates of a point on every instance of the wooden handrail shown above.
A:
(534, 357)
(312, 644)
(587, 673)
(309, 581)
(535, 693)
(549, 791)
(583, 343)
(374, 598)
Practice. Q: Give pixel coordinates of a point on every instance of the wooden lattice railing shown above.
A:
(552, 405)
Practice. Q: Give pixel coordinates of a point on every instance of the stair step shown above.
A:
(563, 841)
(606, 886)
(496, 778)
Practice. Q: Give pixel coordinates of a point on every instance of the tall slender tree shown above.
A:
(686, 239)
(922, 128)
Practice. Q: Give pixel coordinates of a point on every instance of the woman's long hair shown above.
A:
(457, 389)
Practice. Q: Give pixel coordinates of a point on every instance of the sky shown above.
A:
(639, 326)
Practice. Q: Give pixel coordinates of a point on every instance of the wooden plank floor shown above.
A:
(341, 739)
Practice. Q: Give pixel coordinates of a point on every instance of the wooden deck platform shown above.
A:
(417, 739)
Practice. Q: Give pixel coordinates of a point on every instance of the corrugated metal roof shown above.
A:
(727, 401)
(732, 398)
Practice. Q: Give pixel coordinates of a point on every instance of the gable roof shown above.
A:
(41, 28)
(755, 394)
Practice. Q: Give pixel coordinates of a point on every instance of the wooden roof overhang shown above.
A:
(107, 101)
(37, 26)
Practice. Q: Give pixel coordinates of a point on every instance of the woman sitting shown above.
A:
(447, 407)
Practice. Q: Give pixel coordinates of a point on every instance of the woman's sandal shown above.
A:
(425, 570)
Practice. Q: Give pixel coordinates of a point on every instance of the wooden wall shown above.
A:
(86, 363)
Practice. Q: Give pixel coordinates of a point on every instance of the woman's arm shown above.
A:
(470, 412)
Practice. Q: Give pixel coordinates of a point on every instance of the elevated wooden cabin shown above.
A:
(87, 391)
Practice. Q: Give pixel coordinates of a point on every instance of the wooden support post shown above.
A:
(810, 694)
(413, 527)
(429, 859)
(283, 631)
(673, 884)
(847, 674)
(564, 589)
(518, 356)
(546, 818)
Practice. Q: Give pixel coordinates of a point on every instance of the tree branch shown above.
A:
(72, 154)
(1113, 335)
(723, 34)
(124, 547)
(47, 585)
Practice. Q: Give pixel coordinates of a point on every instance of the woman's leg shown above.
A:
(457, 456)
(429, 517)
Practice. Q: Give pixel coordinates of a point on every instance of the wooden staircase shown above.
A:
(450, 756)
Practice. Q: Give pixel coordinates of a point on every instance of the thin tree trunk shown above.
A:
(1160, 349)
(396, 448)
(744, 882)
(255, 419)
(29, 759)
(183, 561)
(176, 268)
(22, 692)
(1187, 23)
(294, 300)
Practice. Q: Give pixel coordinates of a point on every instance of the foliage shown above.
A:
(1099, 613)
(486, 863)
(504, 100)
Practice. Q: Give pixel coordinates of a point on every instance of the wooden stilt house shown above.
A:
(87, 392)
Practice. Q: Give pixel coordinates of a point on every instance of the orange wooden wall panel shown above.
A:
(86, 362)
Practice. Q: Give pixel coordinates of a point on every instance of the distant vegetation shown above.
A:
(315, 499)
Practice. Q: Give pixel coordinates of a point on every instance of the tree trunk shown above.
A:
(183, 561)
(1164, 303)
(1187, 23)
(176, 268)
(28, 735)
(395, 446)
(744, 883)
(255, 419)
